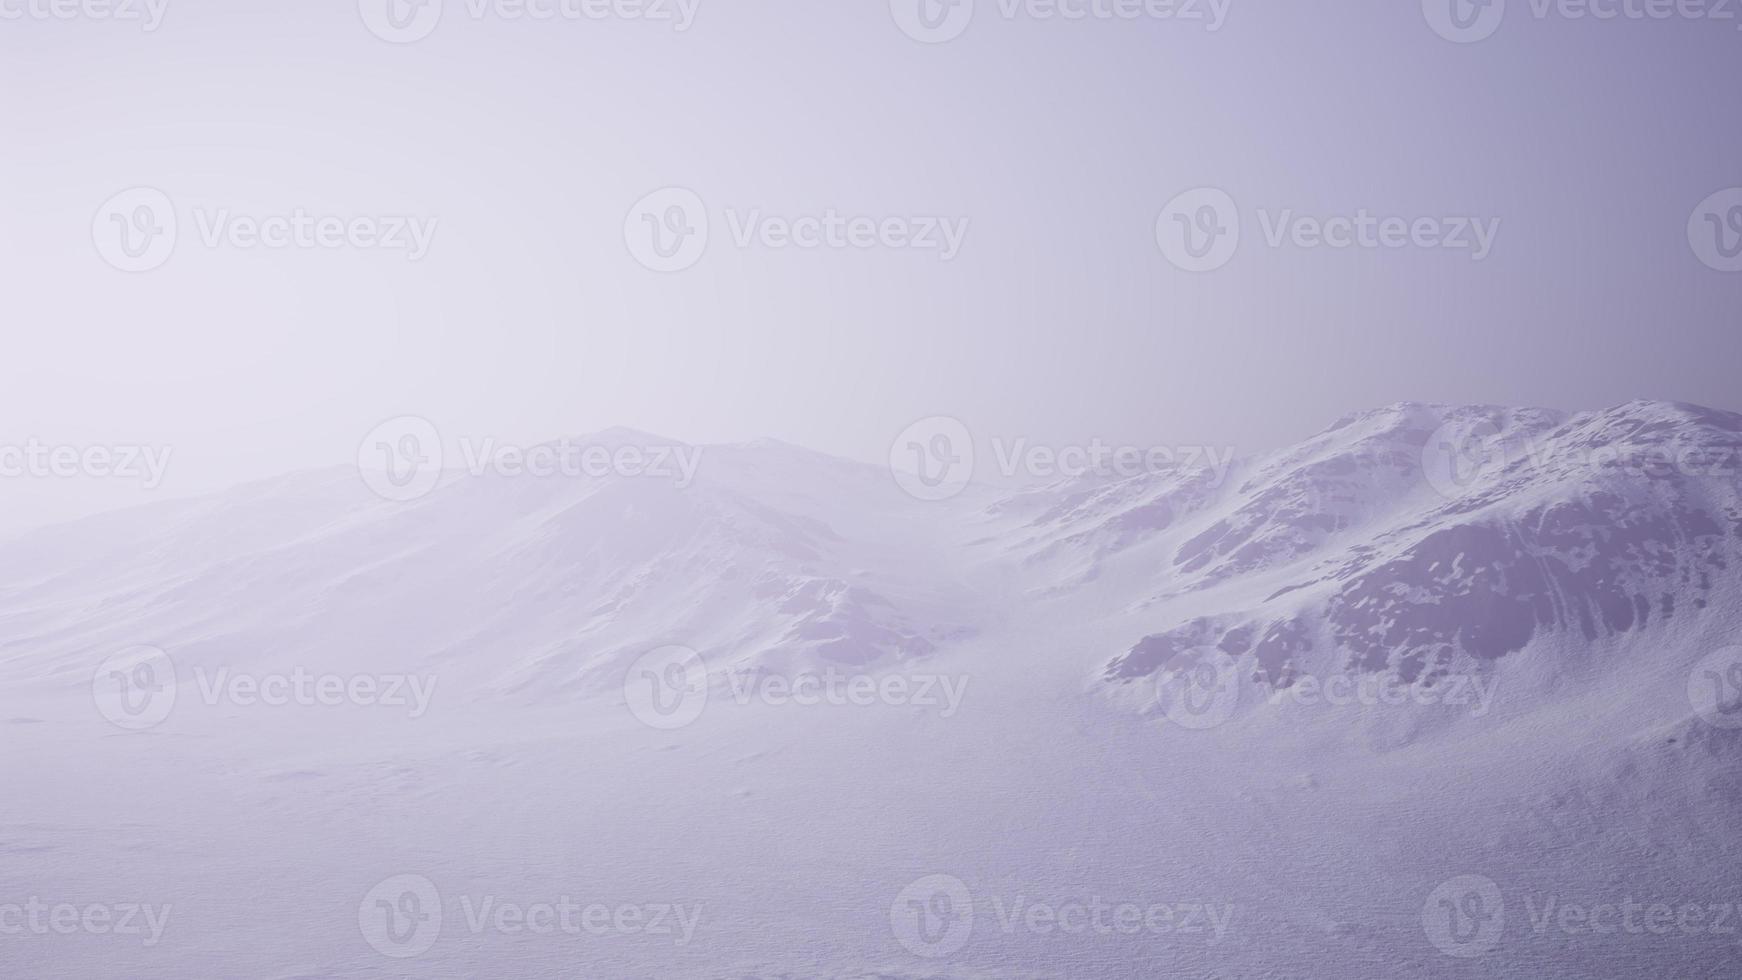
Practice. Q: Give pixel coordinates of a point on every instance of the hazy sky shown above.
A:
(1061, 318)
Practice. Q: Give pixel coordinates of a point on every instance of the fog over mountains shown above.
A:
(1469, 648)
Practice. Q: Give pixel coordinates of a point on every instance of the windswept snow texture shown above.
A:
(1593, 525)
(1439, 692)
(531, 587)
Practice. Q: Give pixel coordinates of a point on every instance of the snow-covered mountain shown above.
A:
(1419, 541)
(1413, 540)
(540, 586)
(1144, 708)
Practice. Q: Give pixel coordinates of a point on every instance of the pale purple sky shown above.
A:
(1060, 320)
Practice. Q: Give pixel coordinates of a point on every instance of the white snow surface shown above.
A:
(1583, 595)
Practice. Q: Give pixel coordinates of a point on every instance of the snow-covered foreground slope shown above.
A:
(1352, 711)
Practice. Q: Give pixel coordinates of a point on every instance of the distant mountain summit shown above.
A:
(1416, 540)
(1410, 541)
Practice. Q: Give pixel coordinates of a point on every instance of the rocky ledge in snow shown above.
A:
(1416, 540)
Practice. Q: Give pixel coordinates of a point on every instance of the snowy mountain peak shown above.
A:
(1410, 540)
(1418, 540)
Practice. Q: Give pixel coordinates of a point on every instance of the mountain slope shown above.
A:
(537, 586)
(1149, 714)
(1369, 557)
